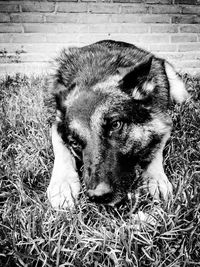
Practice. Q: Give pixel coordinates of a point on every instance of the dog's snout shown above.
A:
(101, 189)
(101, 193)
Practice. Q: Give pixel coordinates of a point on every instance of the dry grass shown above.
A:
(33, 234)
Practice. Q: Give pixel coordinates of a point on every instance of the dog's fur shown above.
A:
(112, 115)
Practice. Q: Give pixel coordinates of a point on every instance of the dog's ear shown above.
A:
(136, 81)
(59, 93)
(177, 90)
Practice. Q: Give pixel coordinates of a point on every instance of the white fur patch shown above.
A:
(148, 88)
(137, 134)
(108, 86)
(178, 91)
(155, 178)
(137, 94)
(101, 189)
(82, 130)
(96, 118)
(58, 115)
(142, 133)
(64, 185)
(160, 125)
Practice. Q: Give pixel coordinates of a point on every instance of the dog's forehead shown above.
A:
(84, 105)
(89, 106)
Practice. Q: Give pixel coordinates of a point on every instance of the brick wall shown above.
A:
(32, 32)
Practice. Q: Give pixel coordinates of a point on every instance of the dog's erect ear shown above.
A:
(136, 81)
(178, 92)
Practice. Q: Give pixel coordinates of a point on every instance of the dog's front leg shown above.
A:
(64, 186)
(155, 178)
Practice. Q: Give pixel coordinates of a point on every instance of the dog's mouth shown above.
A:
(109, 199)
(105, 199)
(118, 192)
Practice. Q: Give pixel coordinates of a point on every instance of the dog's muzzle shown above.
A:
(102, 193)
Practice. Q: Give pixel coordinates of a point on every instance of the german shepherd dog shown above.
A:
(112, 102)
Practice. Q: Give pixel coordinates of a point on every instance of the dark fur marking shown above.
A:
(85, 105)
(136, 77)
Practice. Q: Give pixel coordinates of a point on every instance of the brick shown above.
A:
(6, 37)
(163, 47)
(94, 18)
(134, 28)
(135, 8)
(187, 64)
(9, 8)
(179, 55)
(91, 38)
(166, 28)
(189, 47)
(32, 47)
(78, 18)
(186, 19)
(130, 38)
(35, 57)
(191, 9)
(187, 2)
(183, 38)
(10, 27)
(128, 18)
(193, 72)
(29, 38)
(155, 18)
(4, 17)
(72, 7)
(166, 9)
(72, 28)
(158, 1)
(6, 59)
(148, 39)
(37, 27)
(62, 38)
(108, 8)
(142, 45)
(25, 68)
(103, 28)
(89, 1)
(68, 1)
(127, 1)
(65, 18)
(155, 38)
(37, 6)
(190, 28)
(27, 17)
(14, 57)
(10, 47)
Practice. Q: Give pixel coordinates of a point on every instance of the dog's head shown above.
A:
(113, 121)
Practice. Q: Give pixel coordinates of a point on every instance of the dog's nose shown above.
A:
(102, 193)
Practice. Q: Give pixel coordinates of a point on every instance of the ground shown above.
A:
(33, 234)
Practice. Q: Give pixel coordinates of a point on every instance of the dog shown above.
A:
(112, 101)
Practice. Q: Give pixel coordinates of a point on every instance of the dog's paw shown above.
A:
(159, 186)
(63, 195)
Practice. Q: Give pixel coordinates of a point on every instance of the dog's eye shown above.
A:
(74, 144)
(116, 125)
(75, 148)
